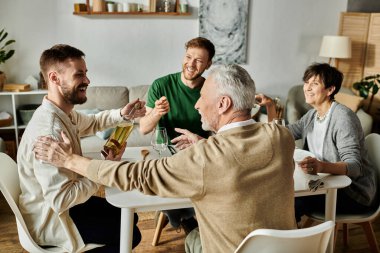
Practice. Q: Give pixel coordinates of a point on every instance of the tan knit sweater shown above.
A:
(238, 180)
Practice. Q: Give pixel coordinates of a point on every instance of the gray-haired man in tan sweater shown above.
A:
(238, 180)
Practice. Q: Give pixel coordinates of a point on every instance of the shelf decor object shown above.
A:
(16, 87)
(5, 119)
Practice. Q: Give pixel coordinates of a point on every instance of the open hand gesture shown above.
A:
(186, 139)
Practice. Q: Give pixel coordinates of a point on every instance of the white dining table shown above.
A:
(135, 201)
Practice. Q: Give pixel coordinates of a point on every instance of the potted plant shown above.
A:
(4, 54)
(369, 84)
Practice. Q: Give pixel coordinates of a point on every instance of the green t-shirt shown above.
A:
(182, 99)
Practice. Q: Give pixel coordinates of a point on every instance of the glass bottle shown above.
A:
(167, 5)
(121, 133)
(184, 6)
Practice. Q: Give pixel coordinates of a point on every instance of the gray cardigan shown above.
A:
(344, 141)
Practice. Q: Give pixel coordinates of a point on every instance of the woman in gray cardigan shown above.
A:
(333, 133)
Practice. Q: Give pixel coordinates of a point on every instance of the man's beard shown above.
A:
(207, 125)
(190, 78)
(71, 95)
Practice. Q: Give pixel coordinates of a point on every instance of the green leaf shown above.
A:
(375, 89)
(369, 77)
(9, 55)
(9, 42)
(363, 93)
(4, 36)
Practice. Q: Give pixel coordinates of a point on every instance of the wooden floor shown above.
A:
(171, 240)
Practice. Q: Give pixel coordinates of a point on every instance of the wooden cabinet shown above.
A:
(372, 60)
(355, 26)
(10, 101)
(364, 31)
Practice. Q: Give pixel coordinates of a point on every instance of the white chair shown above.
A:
(372, 143)
(10, 187)
(312, 240)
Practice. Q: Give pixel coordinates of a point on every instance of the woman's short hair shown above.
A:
(329, 76)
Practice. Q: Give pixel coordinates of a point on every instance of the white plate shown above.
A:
(300, 154)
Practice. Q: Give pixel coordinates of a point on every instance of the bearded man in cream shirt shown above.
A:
(57, 205)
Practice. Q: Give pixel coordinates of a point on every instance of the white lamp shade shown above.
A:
(335, 47)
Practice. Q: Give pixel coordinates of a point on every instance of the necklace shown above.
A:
(320, 119)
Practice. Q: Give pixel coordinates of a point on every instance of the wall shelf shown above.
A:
(136, 13)
(89, 12)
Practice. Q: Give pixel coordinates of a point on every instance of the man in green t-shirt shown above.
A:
(170, 104)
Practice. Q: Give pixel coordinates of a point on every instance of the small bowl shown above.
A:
(26, 112)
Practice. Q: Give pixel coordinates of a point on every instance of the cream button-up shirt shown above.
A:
(48, 192)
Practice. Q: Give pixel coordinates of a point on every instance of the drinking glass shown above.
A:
(159, 140)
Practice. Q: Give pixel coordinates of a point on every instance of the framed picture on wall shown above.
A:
(225, 23)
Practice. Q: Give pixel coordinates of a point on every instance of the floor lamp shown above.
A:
(334, 47)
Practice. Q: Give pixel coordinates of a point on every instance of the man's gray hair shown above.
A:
(235, 82)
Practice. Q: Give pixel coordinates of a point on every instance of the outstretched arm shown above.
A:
(186, 139)
(60, 154)
(269, 104)
(133, 109)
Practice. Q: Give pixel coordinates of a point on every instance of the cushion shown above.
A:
(351, 101)
(105, 97)
(105, 134)
(101, 134)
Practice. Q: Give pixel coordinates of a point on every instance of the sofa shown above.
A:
(296, 106)
(112, 97)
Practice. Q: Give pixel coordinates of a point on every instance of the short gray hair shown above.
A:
(235, 82)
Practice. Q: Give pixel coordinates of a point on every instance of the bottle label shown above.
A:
(118, 137)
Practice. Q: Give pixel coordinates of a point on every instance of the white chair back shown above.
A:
(10, 187)
(312, 240)
(372, 144)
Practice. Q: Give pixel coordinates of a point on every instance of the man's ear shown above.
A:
(224, 104)
(209, 64)
(54, 78)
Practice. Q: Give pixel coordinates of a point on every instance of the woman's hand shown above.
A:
(52, 151)
(268, 102)
(263, 100)
(311, 165)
